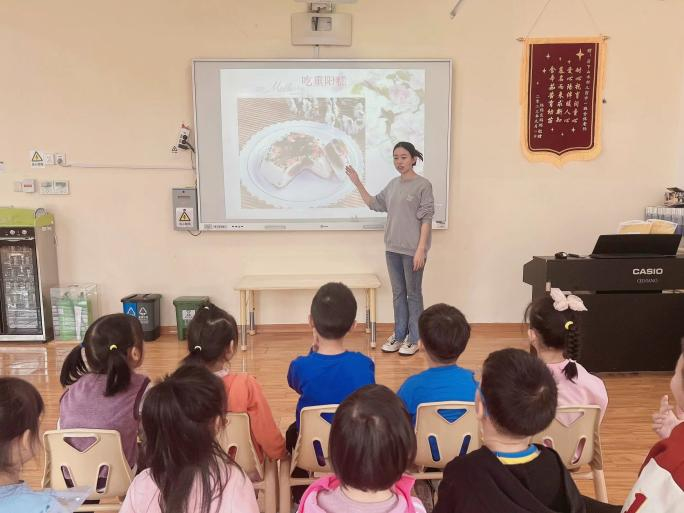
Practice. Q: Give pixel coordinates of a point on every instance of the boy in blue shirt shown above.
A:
(329, 373)
(444, 333)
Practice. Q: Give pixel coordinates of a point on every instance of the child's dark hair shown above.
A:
(558, 330)
(333, 310)
(209, 335)
(444, 332)
(106, 344)
(180, 416)
(410, 148)
(518, 391)
(20, 409)
(372, 442)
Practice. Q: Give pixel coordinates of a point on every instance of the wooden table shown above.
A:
(250, 284)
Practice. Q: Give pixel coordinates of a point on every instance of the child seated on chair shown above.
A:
(660, 486)
(20, 409)
(212, 338)
(103, 389)
(517, 399)
(444, 333)
(329, 373)
(188, 470)
(372, 444)
(555, 337)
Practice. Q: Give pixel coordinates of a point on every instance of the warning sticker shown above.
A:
(37, 159)
(187, 315)
(184, 217)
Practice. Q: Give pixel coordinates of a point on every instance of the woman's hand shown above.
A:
(353, 175)
(419, 259)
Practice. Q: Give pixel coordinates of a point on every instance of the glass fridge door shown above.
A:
(21, 314)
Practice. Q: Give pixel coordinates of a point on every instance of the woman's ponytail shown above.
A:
(410, 148)
(573, 349)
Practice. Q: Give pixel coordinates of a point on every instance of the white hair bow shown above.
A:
(561, 302)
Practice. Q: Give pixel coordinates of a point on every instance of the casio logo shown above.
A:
(652, 270)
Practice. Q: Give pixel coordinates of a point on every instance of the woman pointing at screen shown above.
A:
(409, 204)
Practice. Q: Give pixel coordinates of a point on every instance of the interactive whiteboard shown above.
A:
(273, 138)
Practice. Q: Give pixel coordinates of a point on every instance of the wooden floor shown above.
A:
(626, 429)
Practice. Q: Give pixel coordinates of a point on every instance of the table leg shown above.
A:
(252, 314)
(372, 317)
(243, 320)
(368, 311)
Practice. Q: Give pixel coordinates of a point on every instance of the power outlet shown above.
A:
(60, 159)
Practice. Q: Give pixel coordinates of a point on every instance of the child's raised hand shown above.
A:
(665, 420)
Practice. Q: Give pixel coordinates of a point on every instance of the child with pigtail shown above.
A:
(555, 337)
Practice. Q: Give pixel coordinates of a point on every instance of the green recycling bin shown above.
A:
(186, 307)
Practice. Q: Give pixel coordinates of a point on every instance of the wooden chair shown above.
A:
(236, 440)
(67, 467)
(310, 452)
(578, 443)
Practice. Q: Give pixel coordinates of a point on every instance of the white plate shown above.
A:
(306, 190)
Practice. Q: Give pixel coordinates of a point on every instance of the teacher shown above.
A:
(409, 204)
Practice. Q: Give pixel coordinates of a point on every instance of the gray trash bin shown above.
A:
(146, 308)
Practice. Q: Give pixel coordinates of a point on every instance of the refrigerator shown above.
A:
(28, 269)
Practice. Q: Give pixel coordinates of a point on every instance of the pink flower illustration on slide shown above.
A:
(399, 93)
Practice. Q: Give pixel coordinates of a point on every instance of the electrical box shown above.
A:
(185, 209)
(324, 28)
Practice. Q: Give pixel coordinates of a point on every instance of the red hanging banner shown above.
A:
(562, 83)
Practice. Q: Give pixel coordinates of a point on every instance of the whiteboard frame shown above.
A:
(370, 224)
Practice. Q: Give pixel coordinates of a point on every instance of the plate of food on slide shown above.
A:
(299, 164)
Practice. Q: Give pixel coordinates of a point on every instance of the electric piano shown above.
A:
(635, 317)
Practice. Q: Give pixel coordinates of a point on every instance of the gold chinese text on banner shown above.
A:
(562, 83)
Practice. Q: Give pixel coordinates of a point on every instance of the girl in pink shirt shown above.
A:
(555, 337)
(372, 444)
(188, 469)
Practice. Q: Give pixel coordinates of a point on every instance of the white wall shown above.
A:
(109, 82)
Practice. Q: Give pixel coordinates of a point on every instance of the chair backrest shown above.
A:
(445, 430)
(102, 465)
(311, 451)
(236, 440)
(575, 437)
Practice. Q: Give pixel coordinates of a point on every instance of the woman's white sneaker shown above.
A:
(392, 345)
(408, 348)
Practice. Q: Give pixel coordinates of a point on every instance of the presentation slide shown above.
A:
(274, 137)
(293, 131)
